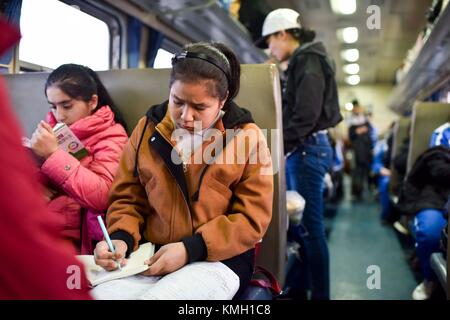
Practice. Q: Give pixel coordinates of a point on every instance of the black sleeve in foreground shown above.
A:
(196, 248)
(124, 236)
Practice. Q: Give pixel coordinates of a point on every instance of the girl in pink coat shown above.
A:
(78, 189)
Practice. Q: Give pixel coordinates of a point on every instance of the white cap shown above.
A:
(281, 19)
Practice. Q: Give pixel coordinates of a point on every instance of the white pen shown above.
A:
(108, 240)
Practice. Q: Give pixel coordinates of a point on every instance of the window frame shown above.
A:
(169, 46)
(116, 24)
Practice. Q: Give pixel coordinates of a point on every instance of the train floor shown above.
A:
(368, 260)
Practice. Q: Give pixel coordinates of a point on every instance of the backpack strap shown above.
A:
(270, 282)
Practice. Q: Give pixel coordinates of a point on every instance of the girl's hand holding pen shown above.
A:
(108, 260)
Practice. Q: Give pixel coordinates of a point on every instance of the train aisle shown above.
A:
(358, 245)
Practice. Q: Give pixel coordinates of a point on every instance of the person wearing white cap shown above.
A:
(310, 106)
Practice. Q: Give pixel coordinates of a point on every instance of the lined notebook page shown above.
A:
(196, 281)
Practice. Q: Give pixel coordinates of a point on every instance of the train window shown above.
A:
(54, 33)
(163, 59)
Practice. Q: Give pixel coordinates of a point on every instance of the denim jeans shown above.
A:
(428, 225)
(383, 189)
(305, 170)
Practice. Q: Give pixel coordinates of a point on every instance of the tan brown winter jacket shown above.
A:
(224, 208)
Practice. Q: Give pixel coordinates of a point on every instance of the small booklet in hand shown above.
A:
(135, 265)
(68, 141)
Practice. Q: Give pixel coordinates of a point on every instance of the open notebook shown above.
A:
(195, 281)
(135, 264)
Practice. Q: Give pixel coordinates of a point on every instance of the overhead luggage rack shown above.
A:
(430, 70)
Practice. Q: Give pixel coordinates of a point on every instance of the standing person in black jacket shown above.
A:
(359, 133)
(310, 106)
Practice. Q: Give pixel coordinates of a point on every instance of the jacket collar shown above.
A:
(99, 121)
(158, 114)
(317, 48)
(234, 115)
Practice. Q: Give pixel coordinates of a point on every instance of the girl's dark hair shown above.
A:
(218, 64)
(303, 35)
(81, 83)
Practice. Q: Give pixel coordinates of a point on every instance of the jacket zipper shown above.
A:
(178, 186)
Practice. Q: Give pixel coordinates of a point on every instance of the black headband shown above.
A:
(198, 55)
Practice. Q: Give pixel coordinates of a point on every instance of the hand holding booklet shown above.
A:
(135, 265)
(67, 141)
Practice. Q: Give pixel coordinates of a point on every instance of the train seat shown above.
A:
(426, 117)
(439, 265)
(401, 132)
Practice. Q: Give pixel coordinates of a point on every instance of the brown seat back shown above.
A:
(426, 117)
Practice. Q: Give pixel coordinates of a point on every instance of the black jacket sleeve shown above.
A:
(195, 247)
(124, 236)
(309, 80)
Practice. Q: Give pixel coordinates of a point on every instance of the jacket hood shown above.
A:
(427, 185)
(431, 167)
(315, 47)
(234, 115)
(99, 121)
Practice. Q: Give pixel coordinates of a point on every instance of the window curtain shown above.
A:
(435, 97)
(143, 44)
(156, 39)
(12, 14)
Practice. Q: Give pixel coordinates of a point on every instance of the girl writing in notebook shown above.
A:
(78, 188)
(195, 178)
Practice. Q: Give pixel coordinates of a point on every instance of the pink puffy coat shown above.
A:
(82, 186)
